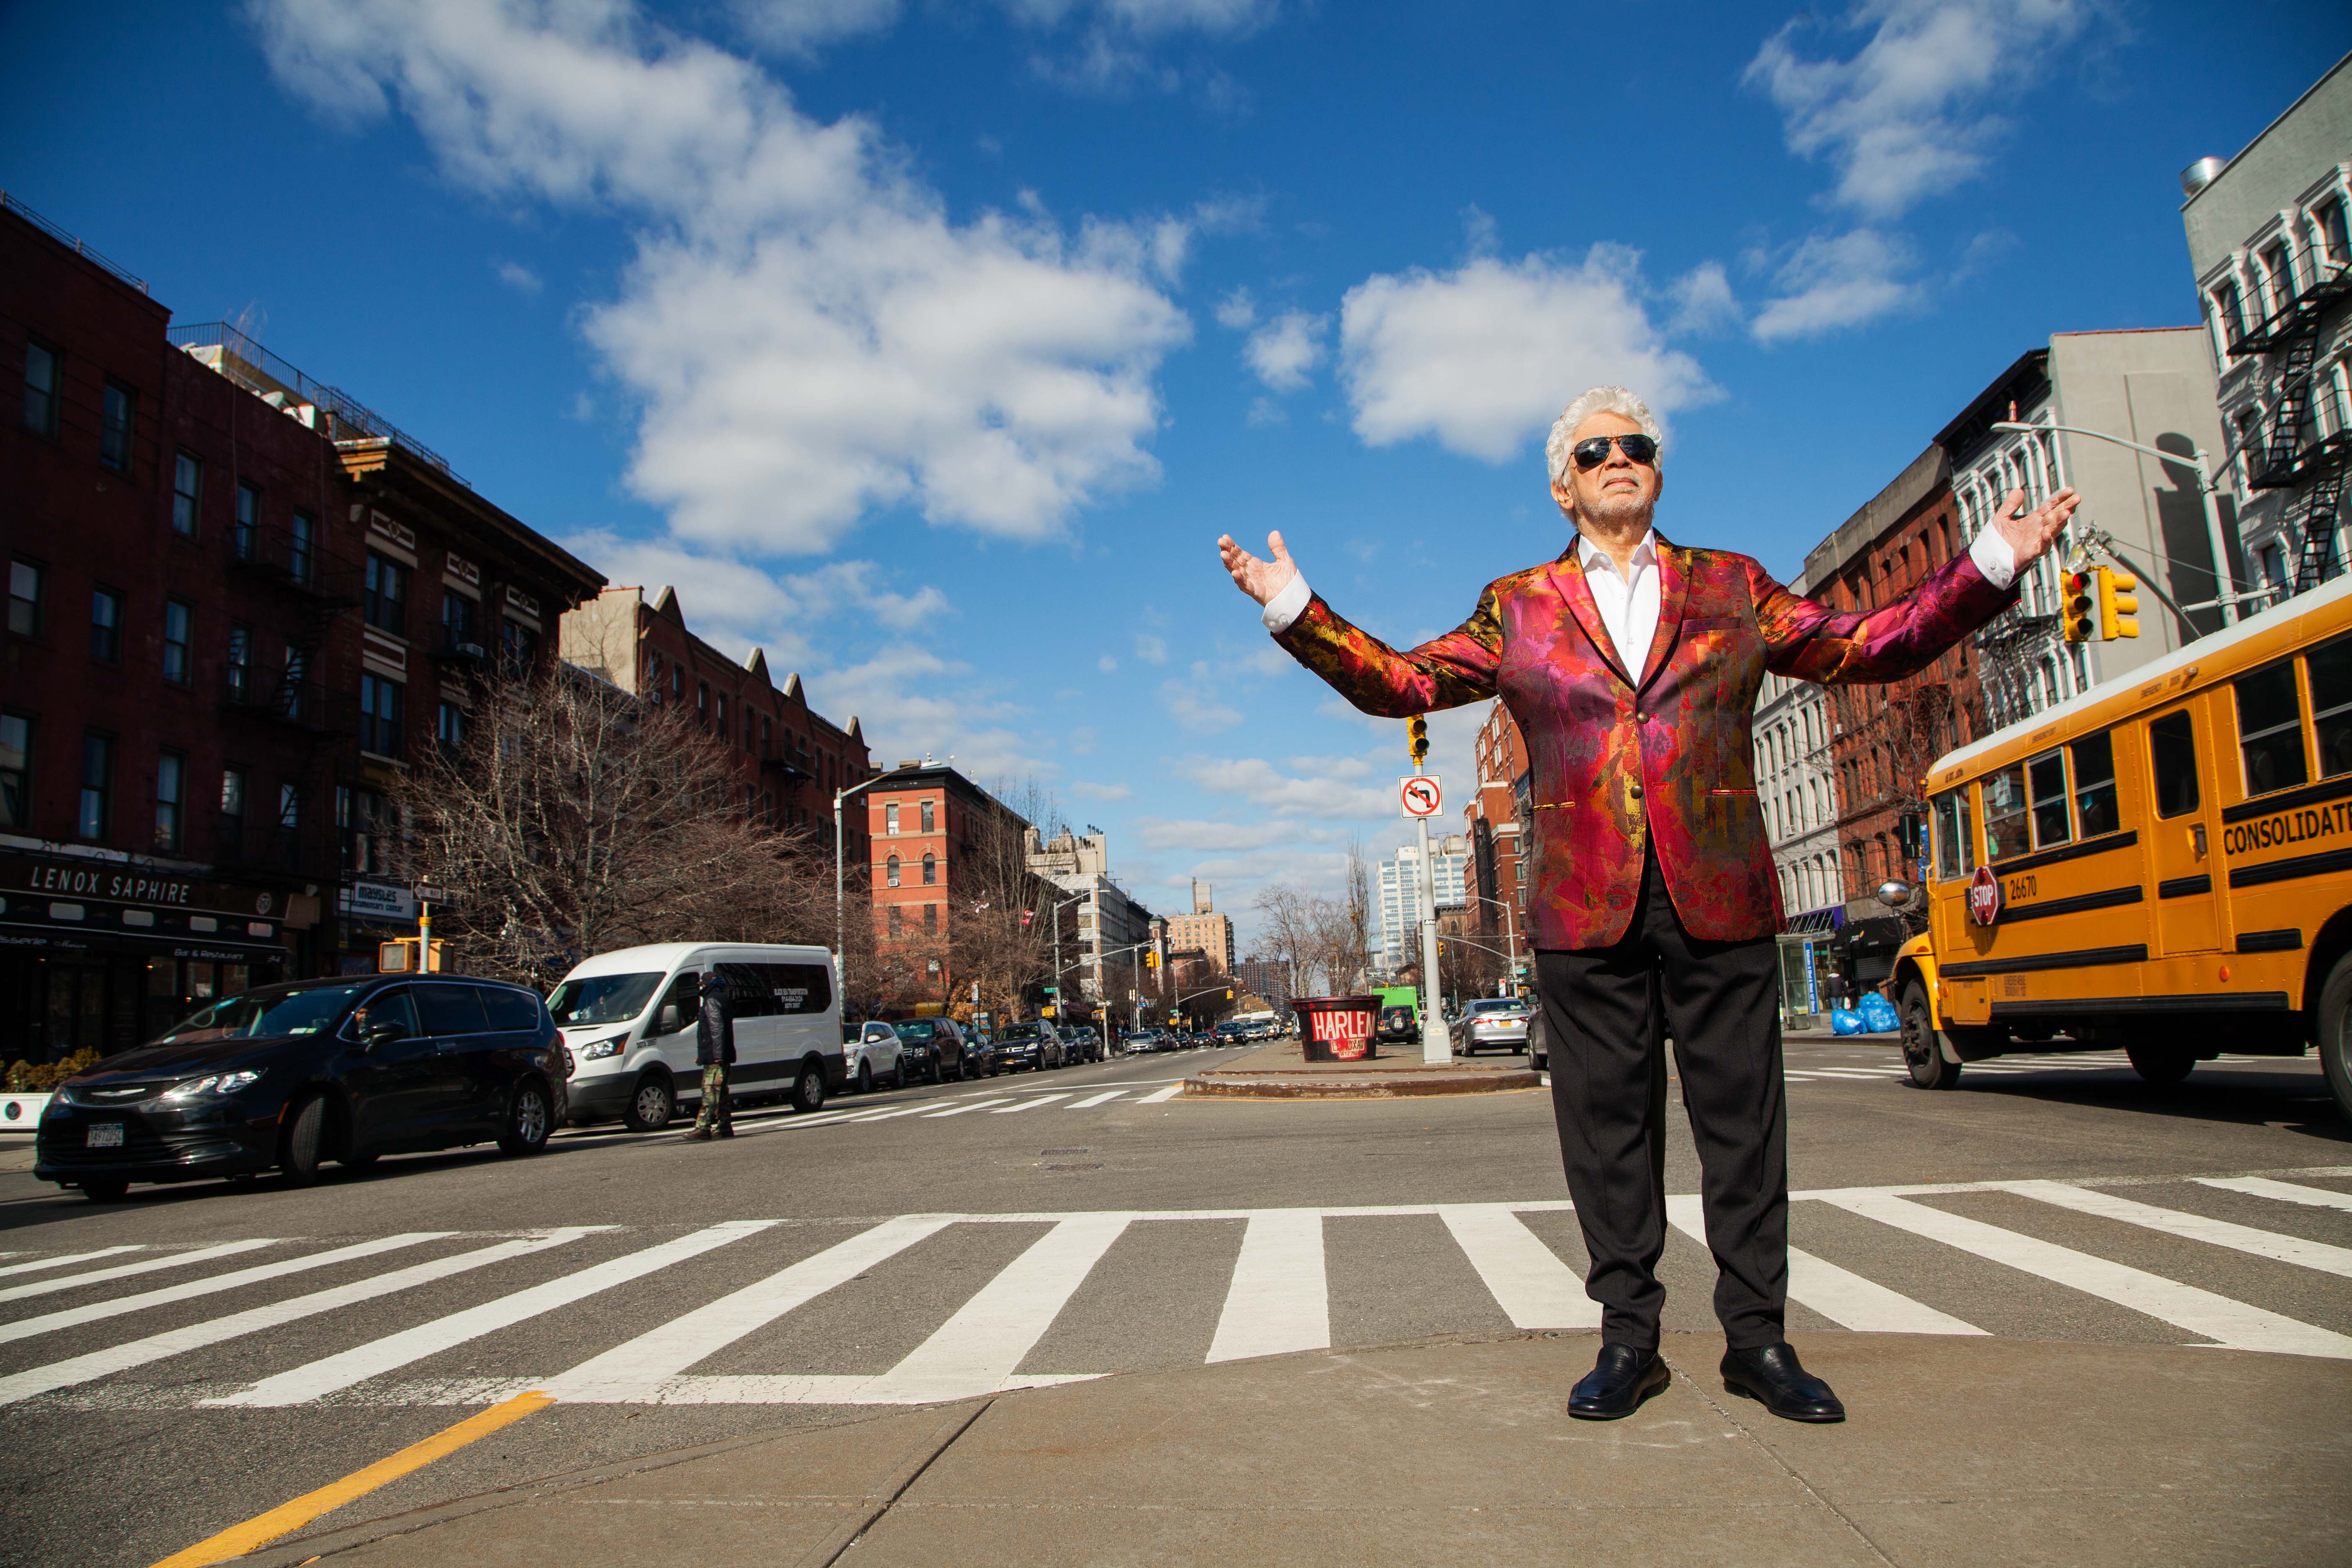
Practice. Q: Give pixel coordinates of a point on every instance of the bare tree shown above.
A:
(1288, 933)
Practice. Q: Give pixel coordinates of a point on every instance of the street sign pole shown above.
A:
(1422, 798)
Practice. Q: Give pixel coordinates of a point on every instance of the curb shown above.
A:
(1368, 1086)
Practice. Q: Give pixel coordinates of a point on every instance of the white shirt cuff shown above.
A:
(1994, 558)
(1291, 603)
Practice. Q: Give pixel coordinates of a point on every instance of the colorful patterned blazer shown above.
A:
(1664, 755)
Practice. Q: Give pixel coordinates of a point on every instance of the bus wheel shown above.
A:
(1923, 1050)
(2164, 1065)
(2336, 1033)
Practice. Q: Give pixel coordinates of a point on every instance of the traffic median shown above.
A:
(1281, 1071)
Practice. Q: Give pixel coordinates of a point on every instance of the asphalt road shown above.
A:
(245, 1344)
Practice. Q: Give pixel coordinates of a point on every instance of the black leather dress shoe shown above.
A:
(1620, 1380)
(1773, 1376)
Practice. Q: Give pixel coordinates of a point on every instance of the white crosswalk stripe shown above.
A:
(124, 1271)
(69, 1259)
(1277, 1299)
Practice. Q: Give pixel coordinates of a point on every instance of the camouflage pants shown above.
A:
(717, 1113)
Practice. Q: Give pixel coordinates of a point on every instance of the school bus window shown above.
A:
(2270, 730)
(2045, 776)
(2172, 753)
(1954, 842)
(2005, 813)
(2330, 669)
(2094, 758)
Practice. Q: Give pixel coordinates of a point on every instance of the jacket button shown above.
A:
(1634, 790)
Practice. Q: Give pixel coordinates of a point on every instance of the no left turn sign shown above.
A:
(1420, 796)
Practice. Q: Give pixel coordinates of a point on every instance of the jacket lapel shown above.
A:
(1568, 572)
(1673, 585)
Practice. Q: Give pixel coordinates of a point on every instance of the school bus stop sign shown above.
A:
(1984, 897)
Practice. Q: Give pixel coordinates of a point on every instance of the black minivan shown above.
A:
(285, 1076)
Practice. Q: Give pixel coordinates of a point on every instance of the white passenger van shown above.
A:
(628, 1017)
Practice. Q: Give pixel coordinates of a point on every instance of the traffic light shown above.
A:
(2118, 607)
(2074, 606)
(1151, 960)
(1229, 995)
(1417, 739)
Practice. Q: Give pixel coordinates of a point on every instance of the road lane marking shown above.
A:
(74, 1317)
(71, 1257)
(123, 1271)
(2233, 1325)
(1157, 1094)
(1031, 1104)
(2194, 1226)
(1094, 1099)
(331, 1374)
(1280, 1299)
(886, 1115)
(1845, 1298)
(288, 1517)
(1527, 1279)
(975, 1105)
(636, 1372)
(195, 1336)
(976, 1351)
(2284, 1191)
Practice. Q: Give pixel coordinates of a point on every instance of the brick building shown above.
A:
(937, 842)
(791, 757)
(1493, 825)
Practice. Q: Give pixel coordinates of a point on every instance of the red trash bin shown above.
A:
(1337, 1028)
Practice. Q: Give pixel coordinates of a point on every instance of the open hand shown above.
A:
(2031, 533)
(1262, 580)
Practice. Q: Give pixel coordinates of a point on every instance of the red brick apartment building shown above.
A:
(937, 842)
(240, 602)
(791, 757)
(1496, 819)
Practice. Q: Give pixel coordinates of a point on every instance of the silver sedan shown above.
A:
(1496, 1022)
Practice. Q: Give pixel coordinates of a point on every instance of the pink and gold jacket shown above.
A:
(1664, 756)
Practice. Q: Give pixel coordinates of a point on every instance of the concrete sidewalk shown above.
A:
(1959, 1451)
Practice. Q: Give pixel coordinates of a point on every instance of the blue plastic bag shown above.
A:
(1842, 1022)
(1878, 1015)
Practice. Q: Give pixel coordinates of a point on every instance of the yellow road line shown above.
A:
(240, 1539)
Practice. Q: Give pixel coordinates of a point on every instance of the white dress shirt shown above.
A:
(1630, 610)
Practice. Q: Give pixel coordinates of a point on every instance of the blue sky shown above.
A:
(930, 346)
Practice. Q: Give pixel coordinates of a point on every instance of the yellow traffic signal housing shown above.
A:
(1229, 995)
(1151, 960)
(2118, 609)
(399, 957)
(2074, 606)
(1417, 739)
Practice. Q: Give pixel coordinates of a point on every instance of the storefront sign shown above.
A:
(379, 901)
(127, 884)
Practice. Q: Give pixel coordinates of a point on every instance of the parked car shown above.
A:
(986, 1056)
(1398, 1024)
(629, 1017)
(1494, 1021)
(1082, 1043)
(1141, 1042)
(869, 1051)
(287, 1077)
(1033, 1045)
(1539, 1041)
(933, 1050)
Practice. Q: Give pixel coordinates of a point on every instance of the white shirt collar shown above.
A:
(1644, 554)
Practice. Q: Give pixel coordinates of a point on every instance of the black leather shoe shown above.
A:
(1773, 1376)
(1622, 1377)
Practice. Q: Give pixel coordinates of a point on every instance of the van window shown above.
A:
(2330, 669)
(510, 1012)
(384, 1007)
(681, 1006)
(2046, 777)
(1955, 845)
(450, 1010)
(797, 987)
(2172, 753)
(602, 998)
(2270, 730)
(2094, 758)
(2005, 813)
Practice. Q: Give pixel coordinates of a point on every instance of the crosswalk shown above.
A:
(736, 1312)
(2017, 1066)
(998, 1102)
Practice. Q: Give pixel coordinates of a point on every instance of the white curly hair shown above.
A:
(1601, 399)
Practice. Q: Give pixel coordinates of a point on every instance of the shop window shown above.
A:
(171, 792)
(179, 626)
(15, 770)
(106, 625)
(245, 539)
(2094, 758)
(95, 813)
(387, 595)
(26, 585)
(2172, 756)
(40, 388)
(232, 810)
(2270, 730)
(118, 427)
(187, 492)
(380, 706)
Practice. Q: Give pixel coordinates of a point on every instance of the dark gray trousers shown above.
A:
(1607, 1011)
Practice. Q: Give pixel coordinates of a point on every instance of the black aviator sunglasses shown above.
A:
(1593, 451)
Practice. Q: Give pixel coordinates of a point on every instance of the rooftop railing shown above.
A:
(62, 238)
(332, 411)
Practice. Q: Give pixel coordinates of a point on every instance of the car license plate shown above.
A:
(104, 1135)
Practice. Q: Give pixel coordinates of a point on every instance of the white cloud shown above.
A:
(1910, 115)
(1161, 833)
(1286, 348)
(1486, 355)
(1107, 664)
(1082, 789)
(1832, 281)
(1195, 705)
(1150, 650)
(1703, 300)
(798, 26)
(518, 278)
(1237, 311)
(910, 701)
(1308, 787)
(1266, 410)
(809, 336)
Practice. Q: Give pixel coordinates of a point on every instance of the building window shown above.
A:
(891, 872)
(652, 678)
(387, 595)
(520, 645)
(458, 624)
(898, 920)
(242, 541)
(365, 821)
(171, 790)
(179, 626)
(890, 817)
(290, 811)
(379, 703)
(96, 804)
(763, 738)
(106, 625)
(2278, 277)
(449, 729)
(931, 922)
(15, 770)
(118, 424)
(2229, 310)
(677, 683)
(24, 584)
(40, 388)
(240, 664)
(290, 695)
(931, 870)
(2328, 218)
(703, 702)
(232, 809)
(930, 823)
(721, 714)
(301, 537)
(187, 492)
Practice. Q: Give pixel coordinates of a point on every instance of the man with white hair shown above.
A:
(1631, 665)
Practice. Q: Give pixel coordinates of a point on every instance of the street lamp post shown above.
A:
(1510, 931)
(2225, 580)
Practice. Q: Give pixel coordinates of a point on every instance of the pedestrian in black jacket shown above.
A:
(714, 1048)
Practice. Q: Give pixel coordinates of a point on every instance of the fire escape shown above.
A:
(2291, 330)
(295, 704)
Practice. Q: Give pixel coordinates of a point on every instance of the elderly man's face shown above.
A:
(1619, 493)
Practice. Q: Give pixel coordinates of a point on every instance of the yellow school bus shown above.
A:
(2163, 863)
